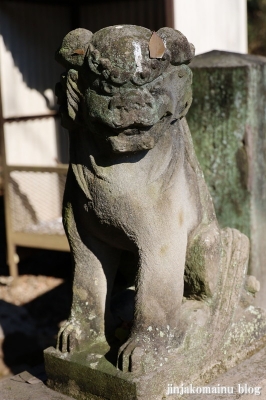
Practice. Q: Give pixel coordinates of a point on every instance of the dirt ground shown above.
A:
(32, 308)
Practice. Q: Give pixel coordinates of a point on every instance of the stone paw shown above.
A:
(70, 336)
(146, 351)
(130, 355)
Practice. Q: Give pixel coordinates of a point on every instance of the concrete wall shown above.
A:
(213, 24)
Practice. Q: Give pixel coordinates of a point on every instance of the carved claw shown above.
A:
(69, 336)
(130, 356)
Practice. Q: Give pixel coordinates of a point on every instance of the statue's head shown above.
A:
(124, 82)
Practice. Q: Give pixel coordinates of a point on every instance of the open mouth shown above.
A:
(132, 138)
(131, 131)
(136, 130)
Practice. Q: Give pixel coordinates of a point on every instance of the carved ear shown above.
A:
(70, 99)
(74, 96)
(74, 47)
(181, 50)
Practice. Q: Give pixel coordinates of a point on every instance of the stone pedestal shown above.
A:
(206, 352)
(228, 125)
(249, 374)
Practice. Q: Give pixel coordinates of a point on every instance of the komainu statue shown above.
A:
(153, 271)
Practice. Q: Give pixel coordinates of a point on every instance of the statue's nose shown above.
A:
(131, 100)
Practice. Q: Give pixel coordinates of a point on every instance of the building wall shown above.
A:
(148, 13)
(213, 24)
(29, 34)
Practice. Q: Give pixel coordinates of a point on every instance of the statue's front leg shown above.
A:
(159, 293)
(95, 267)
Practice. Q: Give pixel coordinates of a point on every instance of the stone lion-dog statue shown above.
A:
(135, 197)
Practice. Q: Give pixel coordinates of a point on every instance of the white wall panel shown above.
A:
(31, 142)
(213, 24)
(30, 34)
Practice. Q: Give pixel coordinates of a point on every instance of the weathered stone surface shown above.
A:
(250, 375)
(136, 206)
(250, 372)
(228, 124)
(201, 358)
(25, 386)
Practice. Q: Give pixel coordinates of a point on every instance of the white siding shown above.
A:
(213, 24)
(29, 36)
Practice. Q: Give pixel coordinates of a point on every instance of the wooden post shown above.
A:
(12, 257)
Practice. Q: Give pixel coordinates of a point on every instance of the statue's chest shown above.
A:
(133, 193)
(116, 209)
(130, 196)
(122, 195)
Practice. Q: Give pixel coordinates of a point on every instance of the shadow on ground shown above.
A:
(26, 330)
(37, 328)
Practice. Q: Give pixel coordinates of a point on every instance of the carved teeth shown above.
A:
(130, 132)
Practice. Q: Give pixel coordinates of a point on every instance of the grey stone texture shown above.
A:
(136, 207)
(228, 124)
(251, 372)
(25, 386)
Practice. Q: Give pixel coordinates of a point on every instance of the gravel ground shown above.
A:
(26, 288)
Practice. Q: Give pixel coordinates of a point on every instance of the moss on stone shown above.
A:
(217, 122)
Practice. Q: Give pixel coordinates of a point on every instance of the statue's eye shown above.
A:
(103, 88)
(156, 86)
(108, 89)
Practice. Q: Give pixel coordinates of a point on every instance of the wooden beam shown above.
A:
(169, 13)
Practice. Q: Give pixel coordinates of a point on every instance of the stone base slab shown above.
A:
(218, 334)
(91, 380)
(250, 372)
